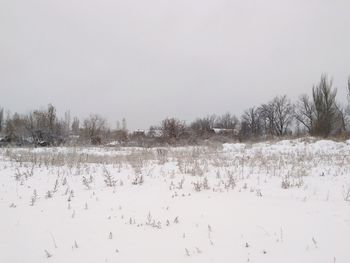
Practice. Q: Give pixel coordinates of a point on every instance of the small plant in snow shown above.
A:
(34, 198)
(181, 184)
(86, 183)
(199, 185)
(295, 182)
(205, 183)
(346, 193)
(29, 172)
(209, 235)
(285, 183)
(109, 180)
(18, 175)
(55, 188)
(152, 222)
(149, 219)
(138, 180)
(71, 195)
(258, 193)
(48, 254)
(132, 221)
(48, 195)
(64, 182)
(230, 183)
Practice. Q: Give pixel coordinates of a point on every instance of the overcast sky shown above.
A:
(148, 59)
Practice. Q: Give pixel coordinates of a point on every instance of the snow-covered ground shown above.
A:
(268, 202)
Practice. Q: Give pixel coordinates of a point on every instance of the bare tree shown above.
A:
(268, 118)
(283, 109)
(276, 116)
(94, 128)
(67, 123)
(321, 116)
(75, 126)
(203, 126)
(9, 128)
(344, 111)
(45, 126)
(51, 117)
(1, 118)
(30, 125)
(341, 120)
(347, 109)
(326, 111)
(15, 128)
(227, 121)
(251, 123)
(124, 125)
(349, 88)
(305, 113)
(152, 131)
(172, 129)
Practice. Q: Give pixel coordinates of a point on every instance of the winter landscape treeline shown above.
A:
(320, 114)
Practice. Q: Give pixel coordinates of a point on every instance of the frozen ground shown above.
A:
(269, 202)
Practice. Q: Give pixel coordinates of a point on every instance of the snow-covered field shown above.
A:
(287, 201)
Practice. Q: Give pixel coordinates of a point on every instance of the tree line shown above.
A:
(318, 115)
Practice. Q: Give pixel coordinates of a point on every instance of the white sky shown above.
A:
(146, 60)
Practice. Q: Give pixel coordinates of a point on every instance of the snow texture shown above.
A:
(286, 201)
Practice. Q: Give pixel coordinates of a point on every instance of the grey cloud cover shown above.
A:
(145, 60)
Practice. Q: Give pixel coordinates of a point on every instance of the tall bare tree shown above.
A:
(349, 88)
(94, 128)
(251, 123)
(305, 113)
(203, 126)
(268, 118)
(75, 126)
(172, 129)
(227, 121)
(326, 110)
(321, 116)
(67, 123)
(1, 118)
(51, 117)
(283, 109)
